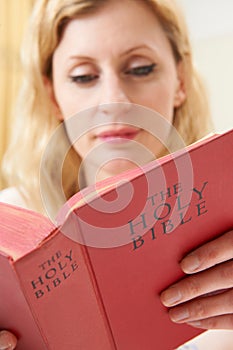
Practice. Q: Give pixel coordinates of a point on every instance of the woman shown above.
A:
(91, 54)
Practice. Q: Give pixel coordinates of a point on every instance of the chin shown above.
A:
(115, 167)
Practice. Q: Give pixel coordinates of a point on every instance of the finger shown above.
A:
(209, 254)
(218, 322)
(203, 308)
(217, 278)
(7, 341)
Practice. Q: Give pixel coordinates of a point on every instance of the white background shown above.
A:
(210, 25)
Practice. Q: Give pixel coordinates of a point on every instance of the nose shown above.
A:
(114, 98)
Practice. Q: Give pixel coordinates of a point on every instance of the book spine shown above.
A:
(63, 297)
(15, 313)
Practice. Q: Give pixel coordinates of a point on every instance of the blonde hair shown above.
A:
(35, 121)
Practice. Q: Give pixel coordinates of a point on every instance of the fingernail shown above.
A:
(179, 315)
(190, 263)
(195, 323)
(171, 296)
(7, 340)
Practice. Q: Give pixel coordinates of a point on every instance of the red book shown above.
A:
(93, 280)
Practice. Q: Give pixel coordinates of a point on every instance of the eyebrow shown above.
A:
(132, 49)
(75, 57)
(135, 48)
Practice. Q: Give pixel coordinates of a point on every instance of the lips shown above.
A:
(118, 135)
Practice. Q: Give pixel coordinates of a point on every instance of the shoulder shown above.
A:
(12, 195)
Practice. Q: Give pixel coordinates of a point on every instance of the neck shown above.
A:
(91, 173)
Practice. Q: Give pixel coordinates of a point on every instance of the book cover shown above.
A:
(93, 282)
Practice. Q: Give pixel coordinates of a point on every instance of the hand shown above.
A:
(7, 341)
(205, 298)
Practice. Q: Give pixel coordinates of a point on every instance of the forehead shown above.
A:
(116, 25)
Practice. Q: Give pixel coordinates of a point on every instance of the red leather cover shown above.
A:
(62, 294)
(130, 277)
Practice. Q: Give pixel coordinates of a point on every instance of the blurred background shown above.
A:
(210, 25)
(13, 18)
(211, 28)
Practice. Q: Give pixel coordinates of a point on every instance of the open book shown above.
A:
(93, 279)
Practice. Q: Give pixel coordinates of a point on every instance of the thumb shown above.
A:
(7, 341)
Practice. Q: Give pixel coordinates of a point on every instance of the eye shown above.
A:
(141, 70)
(83, 79)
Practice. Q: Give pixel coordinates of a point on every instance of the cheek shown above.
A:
(69, 99)
(82, 146)
(69, 104)
(160, 99)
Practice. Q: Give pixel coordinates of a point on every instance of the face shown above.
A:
(119, 54)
